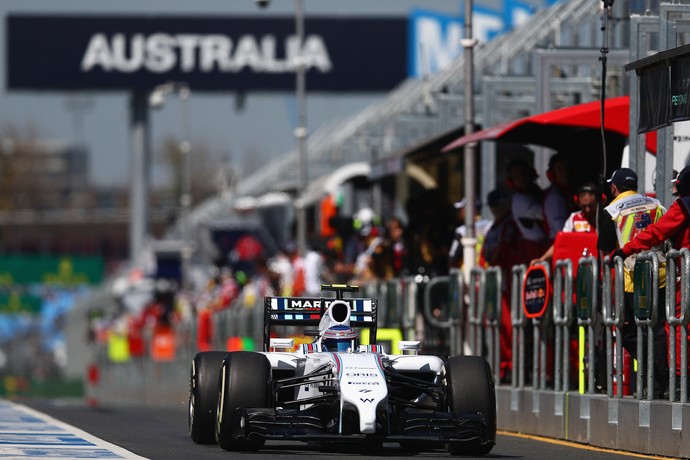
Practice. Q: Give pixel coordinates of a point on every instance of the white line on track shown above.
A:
(26, 433)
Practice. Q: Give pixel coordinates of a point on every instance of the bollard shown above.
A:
(536, 297)
(475, 310)
(613, 318)
(678, 323)
(587, 304)
(518, 322)
(451, 323)
(562, 307)
(492, 309)
(409, 317)
(646, 311)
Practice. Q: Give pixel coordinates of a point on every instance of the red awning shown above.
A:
(558, 129)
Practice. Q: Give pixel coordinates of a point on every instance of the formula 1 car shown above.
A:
(334, 390)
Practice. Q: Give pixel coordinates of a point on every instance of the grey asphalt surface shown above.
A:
(161, 433)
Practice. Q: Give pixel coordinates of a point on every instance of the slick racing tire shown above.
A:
(203, 392)
(245, 379)
(470, 388)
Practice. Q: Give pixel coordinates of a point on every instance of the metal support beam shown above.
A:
(544, 59)
(469, 241)
(641, 28)
(139, 174)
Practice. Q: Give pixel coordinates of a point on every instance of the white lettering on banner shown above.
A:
(161, 52)
(187, 44)
(437, 50)
(214, 50)
(136, 52)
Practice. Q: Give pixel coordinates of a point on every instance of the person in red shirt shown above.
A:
(673, 226)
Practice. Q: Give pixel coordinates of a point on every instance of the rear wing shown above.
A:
(307, 311)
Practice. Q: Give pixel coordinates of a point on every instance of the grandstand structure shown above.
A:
(553, 60)
(419, 109)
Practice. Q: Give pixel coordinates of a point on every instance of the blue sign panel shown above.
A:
(434, 39)
(208, 53)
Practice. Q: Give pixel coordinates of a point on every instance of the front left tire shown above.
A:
(245, 381)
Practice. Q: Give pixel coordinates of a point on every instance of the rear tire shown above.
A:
(203, 394)
(245, 379)
(470, 388)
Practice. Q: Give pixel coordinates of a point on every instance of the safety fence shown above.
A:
(559, 337)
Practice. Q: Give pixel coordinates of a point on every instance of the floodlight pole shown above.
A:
(469, 241)
(301, 131)
(139, 173)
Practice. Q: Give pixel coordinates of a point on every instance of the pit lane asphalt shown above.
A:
(161, 433)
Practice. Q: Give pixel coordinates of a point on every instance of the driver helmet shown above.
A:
(339, 338)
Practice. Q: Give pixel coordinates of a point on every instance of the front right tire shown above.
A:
(470, 388)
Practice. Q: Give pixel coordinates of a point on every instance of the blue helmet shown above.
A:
(339, 338)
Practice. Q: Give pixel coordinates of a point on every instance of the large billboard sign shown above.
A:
(208, 53)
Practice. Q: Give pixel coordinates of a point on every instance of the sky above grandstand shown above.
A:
(261, 125)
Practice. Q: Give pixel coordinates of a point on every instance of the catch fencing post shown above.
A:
(587, 304)
(613, 319)
(518, 322)
(678, 323)
(475, 309)
(492, 298)
(410, 311)
(646, 279)
(453, 322)
(562, 308)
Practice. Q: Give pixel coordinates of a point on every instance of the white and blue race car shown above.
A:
(335, 390)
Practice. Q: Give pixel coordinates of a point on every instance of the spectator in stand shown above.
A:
(674, 226)
(500, 241)
(582, 221)
(628, 215)
(527, 211)
(558, 204)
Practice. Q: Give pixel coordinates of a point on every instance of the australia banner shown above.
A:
(351, 54)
